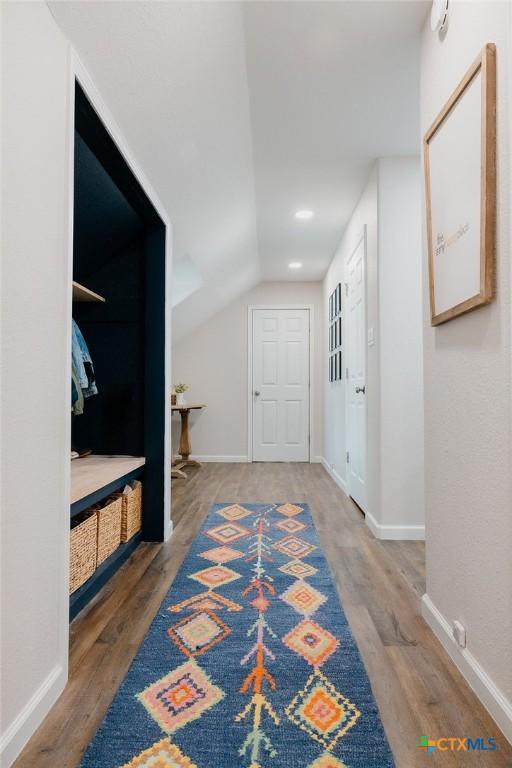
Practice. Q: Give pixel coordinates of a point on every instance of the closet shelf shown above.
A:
(81, 293)
(94, 477)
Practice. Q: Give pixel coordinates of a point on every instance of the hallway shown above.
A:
(418, 690)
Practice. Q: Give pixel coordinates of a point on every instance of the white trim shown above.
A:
(31, 716)
(220, 459)
(340, 482)
(81, 74)
(360, 238)
(250, 309)
(394, 532)
(494, 700)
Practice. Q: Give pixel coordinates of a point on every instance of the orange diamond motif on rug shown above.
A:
(303, 597)
(233, 512)
(322, 711)
(294, 547)
(312, 642)
(290, 510)
(298, 569)
(221, 554)
(163, 754)
(198, 632)
(227, 533)
(180, 697)
(327, 761)
(215, 576)
(290, 525)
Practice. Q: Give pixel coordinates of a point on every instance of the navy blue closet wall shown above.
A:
(119, 252)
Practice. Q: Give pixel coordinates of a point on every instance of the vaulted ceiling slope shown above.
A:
(241, 113)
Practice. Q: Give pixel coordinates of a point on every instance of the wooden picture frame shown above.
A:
(459, 153)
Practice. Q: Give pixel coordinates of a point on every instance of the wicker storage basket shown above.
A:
(109, 527)
(132, 510)
(83, 549)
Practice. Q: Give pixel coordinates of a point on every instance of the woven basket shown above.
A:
(83, 549)
(109, 527)
(132, 511)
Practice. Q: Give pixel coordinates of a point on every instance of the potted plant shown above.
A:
(180, 393)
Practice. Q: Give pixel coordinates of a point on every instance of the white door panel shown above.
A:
(356, 380)
(280, 384)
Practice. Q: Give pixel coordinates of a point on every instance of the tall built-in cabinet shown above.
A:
(119, 305)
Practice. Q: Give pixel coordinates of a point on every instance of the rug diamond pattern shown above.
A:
(215, 576)
(290, 510)
(221, 555)
(304, 598)
(180, 697)
(290, 525)
(227, 533)
(198, 632)
(234, 512)
(327, 761)
(294, 547)
(163, 754)
(311, 641)
(321, 711)
(298, 569)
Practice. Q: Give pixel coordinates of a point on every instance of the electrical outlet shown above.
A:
(459, 633)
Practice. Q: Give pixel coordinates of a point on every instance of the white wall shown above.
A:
(36, 304)
(401, 349)
(213, 361)
(467, 404)
(390, 209)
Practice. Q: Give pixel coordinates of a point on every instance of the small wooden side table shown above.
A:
(185, 447)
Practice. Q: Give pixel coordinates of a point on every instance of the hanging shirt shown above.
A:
(82, 363)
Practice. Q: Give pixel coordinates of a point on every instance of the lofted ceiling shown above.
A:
(242, 113)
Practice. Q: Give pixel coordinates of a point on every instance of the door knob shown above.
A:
(257, 392)
(360, 389)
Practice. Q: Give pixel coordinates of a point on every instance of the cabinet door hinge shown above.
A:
(348, 457)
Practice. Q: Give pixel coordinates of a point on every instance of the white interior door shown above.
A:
(280, 384)
(356, 373)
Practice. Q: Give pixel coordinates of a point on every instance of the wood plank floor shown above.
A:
(418, 689)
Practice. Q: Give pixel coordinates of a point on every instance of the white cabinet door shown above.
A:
(280, 384)
(356, 383)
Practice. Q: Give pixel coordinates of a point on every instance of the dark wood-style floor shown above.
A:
(417, 688)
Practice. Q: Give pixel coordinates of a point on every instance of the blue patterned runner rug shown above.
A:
(249, 663)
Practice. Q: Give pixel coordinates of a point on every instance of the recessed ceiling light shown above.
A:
(295, 264)
(305, 214)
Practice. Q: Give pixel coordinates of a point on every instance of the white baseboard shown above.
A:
(316, 460)
(390, 532)
(31, 716)
(495, 702)
(332, 472)
(394, 532)
(222, 459)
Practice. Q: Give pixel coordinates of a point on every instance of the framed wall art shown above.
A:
(460, 193)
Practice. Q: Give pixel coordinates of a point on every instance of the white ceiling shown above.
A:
(241, 113)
